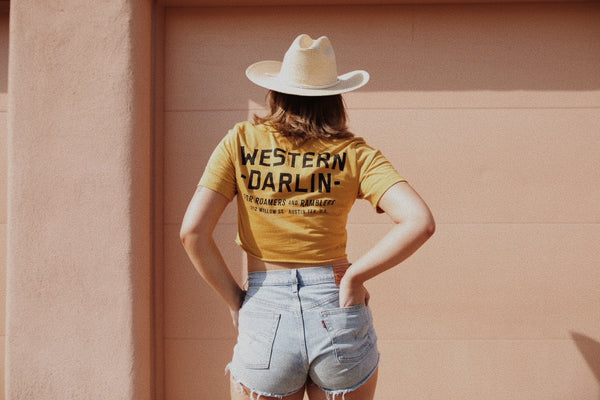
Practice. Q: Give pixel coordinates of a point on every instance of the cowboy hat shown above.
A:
(308, 69)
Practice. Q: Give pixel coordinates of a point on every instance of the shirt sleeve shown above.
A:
(219, 174)
(376, 176)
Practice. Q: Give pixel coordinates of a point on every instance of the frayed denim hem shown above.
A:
(329, 393)
(240, 388)
(332, 394)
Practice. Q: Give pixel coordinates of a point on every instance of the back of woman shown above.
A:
(303, 323)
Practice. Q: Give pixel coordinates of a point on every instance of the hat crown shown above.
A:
(308, 69)
(309, 63)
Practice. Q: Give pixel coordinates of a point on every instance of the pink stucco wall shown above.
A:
(79, 321)
(490, 110)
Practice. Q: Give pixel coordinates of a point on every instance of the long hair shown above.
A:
(301, 118)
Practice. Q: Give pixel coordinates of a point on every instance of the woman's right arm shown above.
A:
(203, 213)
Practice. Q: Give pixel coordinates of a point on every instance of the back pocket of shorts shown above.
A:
(349, 329)
(256, 334)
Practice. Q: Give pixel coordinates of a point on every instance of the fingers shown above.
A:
(234, 317)
(235, 313)
(351, 296)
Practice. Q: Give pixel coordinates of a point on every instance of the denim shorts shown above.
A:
(291, 329)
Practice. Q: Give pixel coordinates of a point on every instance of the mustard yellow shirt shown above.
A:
(293, 202)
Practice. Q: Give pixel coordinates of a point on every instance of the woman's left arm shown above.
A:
(203, 213)
(413, 226)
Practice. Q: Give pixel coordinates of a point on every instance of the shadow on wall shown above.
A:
(4, 18)
(590, 350)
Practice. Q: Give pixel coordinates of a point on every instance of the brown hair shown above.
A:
(301, 118)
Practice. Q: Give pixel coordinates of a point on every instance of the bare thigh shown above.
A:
(364, 392)
(244, 393)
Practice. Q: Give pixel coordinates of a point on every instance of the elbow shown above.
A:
(429, 226)
(429, 229)
(423, 226)
(419, 227)
(185, 236)
(189, 237)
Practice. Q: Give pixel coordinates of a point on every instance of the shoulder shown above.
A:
(249, 128)
(247, 131)
(352, 143)
(361, 148)
(356, 143)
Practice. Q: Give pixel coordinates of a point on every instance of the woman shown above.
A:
(303, 323)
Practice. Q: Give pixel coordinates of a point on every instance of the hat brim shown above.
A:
(265, 74)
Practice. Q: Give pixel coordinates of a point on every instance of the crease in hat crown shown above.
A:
(309, 63)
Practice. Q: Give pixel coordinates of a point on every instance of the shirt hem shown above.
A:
(292, 260)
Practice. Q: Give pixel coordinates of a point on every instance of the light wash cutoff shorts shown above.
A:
(292, 329)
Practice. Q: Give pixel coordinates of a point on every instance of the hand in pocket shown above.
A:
(353, 295)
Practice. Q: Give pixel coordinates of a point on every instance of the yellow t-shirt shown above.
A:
(293, 202)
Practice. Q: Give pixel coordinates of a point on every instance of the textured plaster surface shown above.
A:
(78, 318)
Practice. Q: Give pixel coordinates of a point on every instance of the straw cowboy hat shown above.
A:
(308, 69)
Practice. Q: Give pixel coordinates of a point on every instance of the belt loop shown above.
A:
(294, 280)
